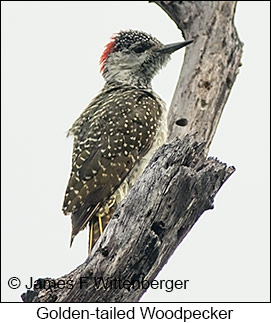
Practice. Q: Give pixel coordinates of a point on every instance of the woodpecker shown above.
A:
(118, 132)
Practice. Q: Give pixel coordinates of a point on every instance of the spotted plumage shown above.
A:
(117, 133)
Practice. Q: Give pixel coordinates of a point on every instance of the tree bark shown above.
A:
(179, 184)
(210, 65)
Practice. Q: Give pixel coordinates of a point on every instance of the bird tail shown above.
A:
(80, 219)
(96, 227)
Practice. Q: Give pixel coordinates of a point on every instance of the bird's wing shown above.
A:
(112, 140)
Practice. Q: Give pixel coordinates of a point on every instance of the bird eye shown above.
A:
(139, 49)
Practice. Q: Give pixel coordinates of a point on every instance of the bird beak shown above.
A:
(169, 49)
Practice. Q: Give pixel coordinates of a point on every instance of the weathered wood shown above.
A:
(179, 184)
(210, 65)
(166, 201)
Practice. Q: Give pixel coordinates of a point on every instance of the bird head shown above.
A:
(134, 57)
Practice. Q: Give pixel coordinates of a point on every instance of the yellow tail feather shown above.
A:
(96, 227)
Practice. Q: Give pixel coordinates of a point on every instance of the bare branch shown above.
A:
(210, 65)
(148, 225)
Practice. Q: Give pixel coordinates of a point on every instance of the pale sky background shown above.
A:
(50, 72)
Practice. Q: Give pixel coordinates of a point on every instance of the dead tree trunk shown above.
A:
(179, 184)
(210, 66)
